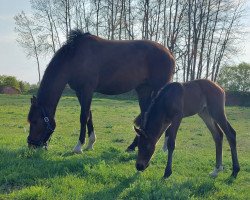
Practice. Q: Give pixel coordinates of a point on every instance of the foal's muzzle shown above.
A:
(141, 167)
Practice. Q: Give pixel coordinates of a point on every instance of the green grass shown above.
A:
(109, 172)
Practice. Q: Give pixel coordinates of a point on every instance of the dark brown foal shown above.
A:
(176, 101)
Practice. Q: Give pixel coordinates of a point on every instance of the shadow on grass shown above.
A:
(23, 167)
(113, 193)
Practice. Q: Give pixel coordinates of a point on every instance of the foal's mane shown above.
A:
(153, 103)
(151, 109)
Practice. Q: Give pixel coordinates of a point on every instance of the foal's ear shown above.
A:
(140, 132)
(33, 100)
(137, 131)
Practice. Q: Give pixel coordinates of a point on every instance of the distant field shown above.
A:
(109, 172)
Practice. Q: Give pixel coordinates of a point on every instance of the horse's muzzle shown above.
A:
(36, 144)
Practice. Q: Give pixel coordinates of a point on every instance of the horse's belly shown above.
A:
(118, 82)
(116, 87)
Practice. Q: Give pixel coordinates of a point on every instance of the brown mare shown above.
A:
(176, 101)
(90, 64)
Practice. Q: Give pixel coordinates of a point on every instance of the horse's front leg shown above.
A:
(85, 101)
(172, 131)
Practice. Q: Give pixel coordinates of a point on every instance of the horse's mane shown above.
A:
(74, 36)
(71, 43)
(66, 51)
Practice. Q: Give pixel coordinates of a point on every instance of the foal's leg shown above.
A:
(171, 143)
(85, 98)
(165, 145)
(218, 139)
(231, 137)
(144, 97)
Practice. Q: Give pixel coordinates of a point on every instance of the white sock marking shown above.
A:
(78, 147)
(92, 139)
(214, 173)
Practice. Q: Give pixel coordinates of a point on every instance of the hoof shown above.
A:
(235, 172)
(216, 171)
(78, 148)
(130, 150)
(167, 174)
(165, 145)
(89, 148)
(77, 151)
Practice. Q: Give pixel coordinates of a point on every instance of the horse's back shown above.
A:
(120, 66)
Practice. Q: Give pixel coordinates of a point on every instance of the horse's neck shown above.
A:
(50, 91)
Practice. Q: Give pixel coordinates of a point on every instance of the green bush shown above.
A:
(9, 81)
(235, 78)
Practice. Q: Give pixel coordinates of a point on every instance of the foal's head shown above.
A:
(41, 125)
(155, 122)
(146, 148)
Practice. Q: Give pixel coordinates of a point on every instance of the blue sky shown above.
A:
(14, 62)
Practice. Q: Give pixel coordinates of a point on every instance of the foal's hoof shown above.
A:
(130, 150)
(235, 172)
(216, 171)
(167, 174)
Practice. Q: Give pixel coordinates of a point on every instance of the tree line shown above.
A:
(11, 81)
(233, 78)
(202, 34)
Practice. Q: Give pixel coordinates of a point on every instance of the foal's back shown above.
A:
(201, 94)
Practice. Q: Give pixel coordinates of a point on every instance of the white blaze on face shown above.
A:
(92, 139)
(78, 147)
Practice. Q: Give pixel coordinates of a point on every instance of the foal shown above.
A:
(178, 100)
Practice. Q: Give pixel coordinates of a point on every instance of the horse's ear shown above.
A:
(33, 100)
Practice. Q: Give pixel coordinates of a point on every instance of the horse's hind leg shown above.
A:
(231, 137)
(218, 139)
(144, 97)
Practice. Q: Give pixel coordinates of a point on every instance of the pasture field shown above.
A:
(109, 172)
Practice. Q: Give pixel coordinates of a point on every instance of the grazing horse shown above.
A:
(176, 101)
(91, 64)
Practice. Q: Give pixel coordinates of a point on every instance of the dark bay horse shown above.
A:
(91, 64)
(176, 101)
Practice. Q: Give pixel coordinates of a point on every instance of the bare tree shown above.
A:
(201, 34)
(28, 37)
